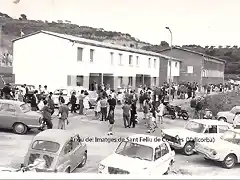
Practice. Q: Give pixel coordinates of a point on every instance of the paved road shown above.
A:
(13, 147)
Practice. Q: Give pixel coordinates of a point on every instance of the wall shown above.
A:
(197, 61)
(41, 59)
(48, 60)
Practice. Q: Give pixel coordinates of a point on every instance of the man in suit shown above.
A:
(34, 101)
(73, 101)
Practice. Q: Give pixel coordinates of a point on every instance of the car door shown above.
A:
(65, 158)
(8, 115)
(158, 165)
(78, 151)
(166, 156)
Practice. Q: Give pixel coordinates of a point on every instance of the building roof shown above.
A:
(80, 40)
(194, 52)
(55, 135)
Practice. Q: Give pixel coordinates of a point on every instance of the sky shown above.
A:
(200, 22)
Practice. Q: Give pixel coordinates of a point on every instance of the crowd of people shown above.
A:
(151, 102)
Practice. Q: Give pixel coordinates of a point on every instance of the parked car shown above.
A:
(67, 92)
(62, 151)
(225, 150)
(228, 116)
(194, 131)
(139, 154)
(18, 116)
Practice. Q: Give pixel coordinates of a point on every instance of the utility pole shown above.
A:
(170, 64)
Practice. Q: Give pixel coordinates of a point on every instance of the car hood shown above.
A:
(179, 132)
(133, 165)
(33, 113)
(219, 145)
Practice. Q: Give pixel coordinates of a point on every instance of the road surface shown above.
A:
(13, 147)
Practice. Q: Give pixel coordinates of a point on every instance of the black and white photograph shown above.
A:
(119, 88)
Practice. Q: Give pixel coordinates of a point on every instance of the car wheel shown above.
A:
(222, 119)
(188, 148)
(229, 161)
(185, 116)
(68, 170)
(20, 128)
(84, 160)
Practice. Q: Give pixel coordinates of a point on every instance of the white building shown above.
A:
(59, 60)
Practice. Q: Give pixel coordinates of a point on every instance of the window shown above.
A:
(130, 60)
(190, 69)
(164, 149)
(222, 129)
(7, 107)
(120, 59)
(69, 79)
(79, 80)
(25, 108)
(46, 146)
(91, 55)
(155, 63)
(68, 147)
(211, 129)
(149, 62)
(130, 81)
(79, 54)
(111, 56)
(176, 64)
(120, 81)
(154, 81)
(157, 153)
(137, 61)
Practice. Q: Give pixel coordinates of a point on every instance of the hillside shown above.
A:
(11, 29)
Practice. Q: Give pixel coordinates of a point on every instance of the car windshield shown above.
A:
(25, 108)
(232, 137)
(57, 92)
(235, 109)
(46, 146)
(195, 127)
(134, 150)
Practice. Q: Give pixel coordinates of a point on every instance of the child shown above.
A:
(111, 122)
(97, 109)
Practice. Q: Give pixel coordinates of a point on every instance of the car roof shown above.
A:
(210, 122)
(153, 143)
(235, 130)
(11, 102)
(55, 135)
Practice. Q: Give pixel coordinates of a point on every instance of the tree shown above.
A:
(23, 17)
(164, 44)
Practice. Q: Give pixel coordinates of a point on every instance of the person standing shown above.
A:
(7, 91)
(34, 101)
(104, 104)
(40, 89)
(86, 103)
(63, 115)
(20, 96)
(112, 103)
(133, 114)
(45, 90)
(46, 112)
(73, 101)
(97, 109)
(111, 122)
(81, 97)
(51, 103)
(126, 114)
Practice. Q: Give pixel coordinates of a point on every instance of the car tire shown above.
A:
(188, 148)
(232, 158)
(185, 116)
(222, 119)
(84, 160)
(20, 128)
(68, 170)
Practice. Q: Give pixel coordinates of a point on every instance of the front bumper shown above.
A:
(207, 154)
(35, 126)
(175, 145)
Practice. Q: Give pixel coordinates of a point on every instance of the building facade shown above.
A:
(59, 60)
(197, 67)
